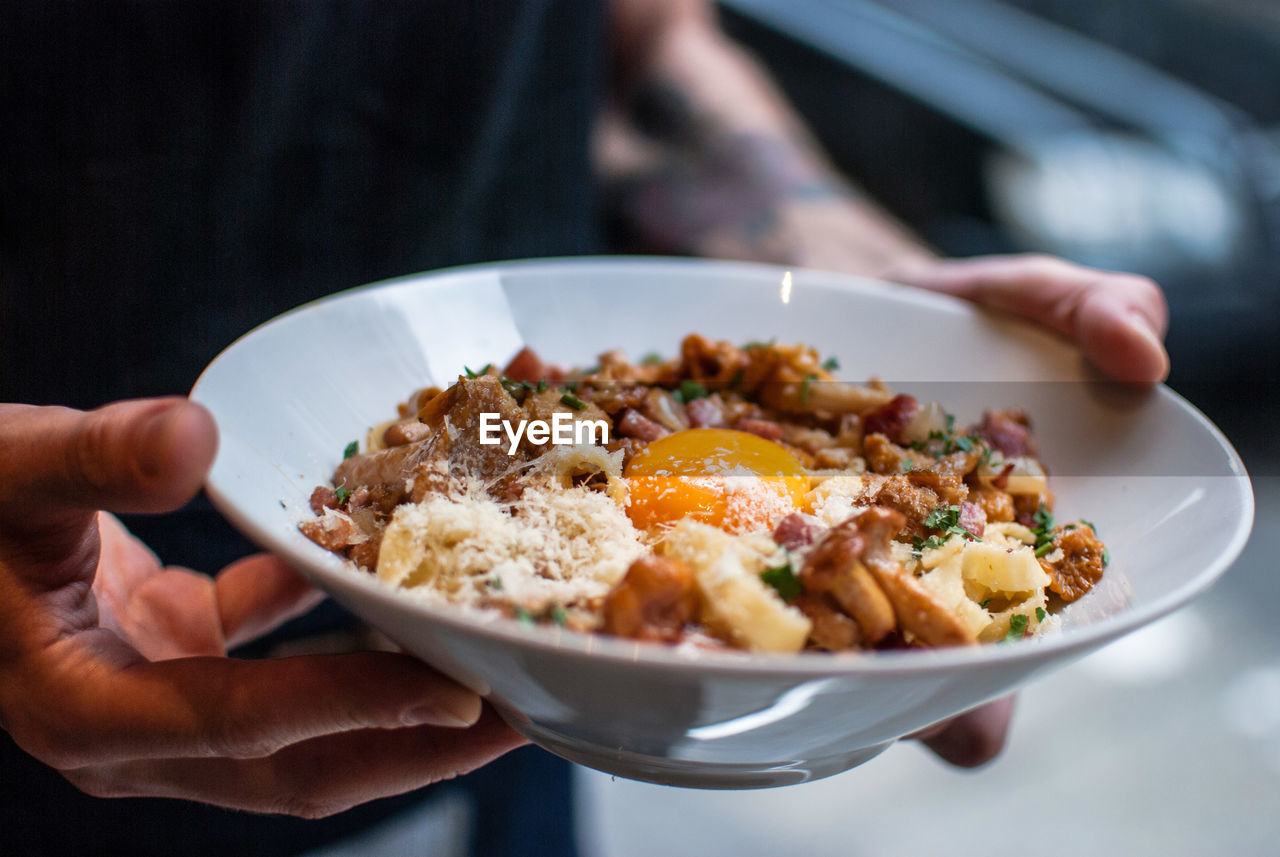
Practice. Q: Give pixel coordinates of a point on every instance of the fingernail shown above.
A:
(1141, 328)
(457, 715)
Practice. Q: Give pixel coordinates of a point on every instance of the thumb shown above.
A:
(146, 455)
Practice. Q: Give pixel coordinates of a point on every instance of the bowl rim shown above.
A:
(330, 572)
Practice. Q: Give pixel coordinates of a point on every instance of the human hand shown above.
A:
(1118, 320)
(113, 668)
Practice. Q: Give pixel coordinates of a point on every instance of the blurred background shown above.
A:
(1141, 135)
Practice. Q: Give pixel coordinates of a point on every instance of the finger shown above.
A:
(1117, 319)
(147, 455)
(257, 594)
(162, 612)
(315, 778)
(114, 706)
(975, 737)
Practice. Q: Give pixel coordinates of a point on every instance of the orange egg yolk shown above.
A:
(731, 479)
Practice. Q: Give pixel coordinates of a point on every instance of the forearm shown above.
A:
(701, 155)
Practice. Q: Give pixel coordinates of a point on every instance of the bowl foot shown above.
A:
(694, 773)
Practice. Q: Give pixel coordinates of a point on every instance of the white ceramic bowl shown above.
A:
(1164, 487)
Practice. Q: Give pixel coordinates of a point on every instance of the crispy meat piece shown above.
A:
(333, 531)
(996, 504)
(1081, 565)
(715, 365)
(836, 568)
(405, 431)
(654, 601)
(831, 630)
(885, 456)
(918, 612)
(614, 397)
(1025, 506)
(323, 498)
(913, 501)
(834, 458)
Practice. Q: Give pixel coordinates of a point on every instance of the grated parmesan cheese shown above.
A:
(552, 545)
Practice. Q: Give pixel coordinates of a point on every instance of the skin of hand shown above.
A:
(701, 155)
(113, 668)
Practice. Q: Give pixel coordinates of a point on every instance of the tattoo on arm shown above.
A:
(708, 188)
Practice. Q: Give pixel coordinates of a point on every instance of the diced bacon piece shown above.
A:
(798, 530)
(632, 423)
(766, 429)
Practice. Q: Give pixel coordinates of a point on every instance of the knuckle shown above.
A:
(88, 453)
(232, 737)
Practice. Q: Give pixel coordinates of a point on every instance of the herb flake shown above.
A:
(350, 449)
(1017, 628)
(784, 580)
(573, 401)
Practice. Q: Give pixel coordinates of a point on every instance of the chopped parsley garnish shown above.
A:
(1091, 525)
(350, 450)
(784, 580)
(558, 616)
(1017, 628)
(653, 358)
(947, 519)
(1106, 557)
(933, 542)
(1040, 614)
(542, 385)
(517, 389)
(907, 464)
(983, 604)
(756, 343)
(573, 401)
(940, 443)
(483, 371)
(804, 387)
(495, 583)
(524, 616)
(344, 494)
(1043, 530)
(689, 390)
(831, 364)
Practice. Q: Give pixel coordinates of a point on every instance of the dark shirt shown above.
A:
(174, 173)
